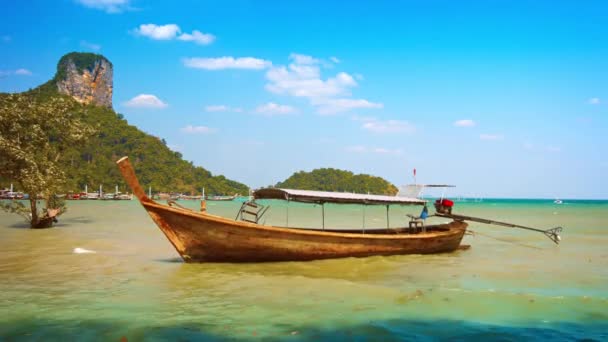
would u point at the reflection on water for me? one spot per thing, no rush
(510, 284)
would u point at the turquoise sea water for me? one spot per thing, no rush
(511, 285)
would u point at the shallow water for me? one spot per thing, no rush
(125, 279)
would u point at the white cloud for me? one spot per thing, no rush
(217, 108)
(223, 108)
(376, 150)
(272, 109)
(594, 101)
(541, 148)
(303, 59)
(23, 72)
(158, 32)
(357, 149)
(381, 150)
(197, 129)
(464, 123)
(388, 126)
(91, 46)
(304, 81)
(146, 101)
(302, 78)
(226, 63)
(110, 6)
(172, 31)
(362, 118)
(334, 59)
(19, 72)
(334, 106)
(491, 137)
(197, 37)
(175, 147)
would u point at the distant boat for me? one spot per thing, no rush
(558, 201)
(12, 195)
(92, 196)
(221, 198)
(190, 197)
(72, 196)
(121, 196)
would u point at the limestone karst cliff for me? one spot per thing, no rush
(86, 77)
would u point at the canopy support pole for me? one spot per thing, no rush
(364, 217)
(388, 223)
(287, 224)
(323, 213)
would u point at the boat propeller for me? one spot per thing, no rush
(553, 234)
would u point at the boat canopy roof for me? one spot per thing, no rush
(308, 196)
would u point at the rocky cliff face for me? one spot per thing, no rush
(86, 77)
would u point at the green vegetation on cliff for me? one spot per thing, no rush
(328, 179)
(82, 61)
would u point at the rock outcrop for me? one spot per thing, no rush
(86, 77)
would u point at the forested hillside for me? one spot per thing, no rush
(328, 179)
(156, 165)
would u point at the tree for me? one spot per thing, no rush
(34, 134)
(328, 179)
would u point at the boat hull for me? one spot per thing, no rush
(200, 237)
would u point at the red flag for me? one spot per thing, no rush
(414, 172)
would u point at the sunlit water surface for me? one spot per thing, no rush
(511, 284)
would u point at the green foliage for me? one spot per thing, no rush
(328, 179)
(16, 207)
(82, 61)
(56, 202)
(35, 133)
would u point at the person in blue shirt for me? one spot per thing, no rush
(425, 213)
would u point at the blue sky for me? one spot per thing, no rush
(501, 98)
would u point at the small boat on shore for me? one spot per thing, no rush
(199, 236)
(221, 198)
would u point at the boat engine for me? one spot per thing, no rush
(444, 206)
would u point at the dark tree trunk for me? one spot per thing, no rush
(34, 220)
(39, 222)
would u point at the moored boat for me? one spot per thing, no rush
(200, 236)
(220, 198)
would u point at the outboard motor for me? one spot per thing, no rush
(444, 206)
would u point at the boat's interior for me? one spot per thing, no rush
(252, 212)
(398, 230)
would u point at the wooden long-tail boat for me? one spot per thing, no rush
(200, 236)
